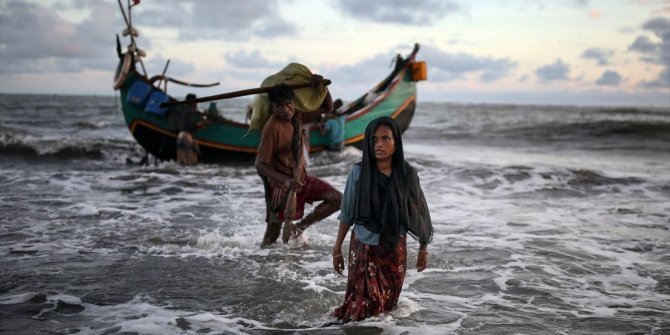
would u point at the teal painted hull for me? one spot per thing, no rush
(226, 141)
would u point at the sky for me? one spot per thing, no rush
(575, 52)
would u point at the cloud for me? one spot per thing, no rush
(213, 19)
(663, 80)
(598, 54)
(254, 60)
(36, 39)
(442, 67)
(373, 68)
(644, 45)
(609, 78)
(555, 71)
(418, 12)
(582, 3)
(445, 66)
(348, 81)
(176, 67)
(662, 6)
(660, 26)
(655, 52)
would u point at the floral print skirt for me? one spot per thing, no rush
(376, 275)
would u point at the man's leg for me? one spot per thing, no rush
(330, 203)
(272, 230)
(316, 190)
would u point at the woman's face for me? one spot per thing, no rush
(384, 143)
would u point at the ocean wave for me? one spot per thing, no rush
(92, 124)
(595, 129)
(20, 143)
(633, 111)
(541, 125)
(56, 149)
(523, 181)
(597, 136)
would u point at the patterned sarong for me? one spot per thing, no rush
(376, 275)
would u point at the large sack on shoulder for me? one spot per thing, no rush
(306, 99)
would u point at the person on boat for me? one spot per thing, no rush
(212, 113)
(190, 120)
(281, 165)
(188, 115)
(333, 127)
(383, 200)
(337, 106)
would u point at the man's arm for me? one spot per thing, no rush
(281, 180)
(326, 106)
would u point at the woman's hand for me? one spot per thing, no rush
(422, 259)
(338, 262)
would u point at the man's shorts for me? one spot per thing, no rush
(314, 189)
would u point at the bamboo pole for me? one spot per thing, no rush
(240, 93)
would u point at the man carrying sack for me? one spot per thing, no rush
(281, 165)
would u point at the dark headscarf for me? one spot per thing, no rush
(384, 204)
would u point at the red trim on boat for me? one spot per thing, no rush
(200, 142)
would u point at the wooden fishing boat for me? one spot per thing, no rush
(155, 128)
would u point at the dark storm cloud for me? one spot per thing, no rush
(36, 39)
(600, 55)
(655, 52)
(418, 12)
(555, 71)
(609, 78)
(443, 66)
(213, 19)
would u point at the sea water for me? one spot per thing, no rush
(548, 220)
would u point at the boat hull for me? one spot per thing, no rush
(228, 141)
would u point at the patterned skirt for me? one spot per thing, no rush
(376, 275)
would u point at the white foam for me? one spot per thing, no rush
(514, 218)
(144, 318)
(16, 298)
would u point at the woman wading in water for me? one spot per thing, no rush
(383, 201)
